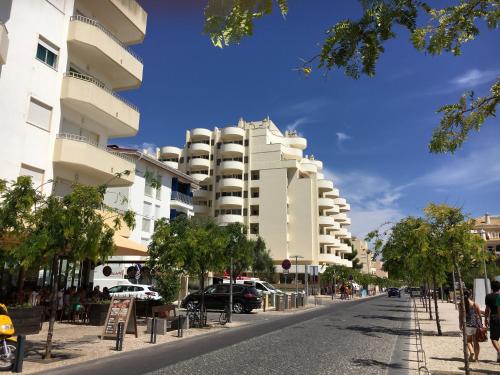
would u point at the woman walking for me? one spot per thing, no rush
(473, 321)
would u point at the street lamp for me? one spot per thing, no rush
(233, 244)
(482, 232)
(297, 272)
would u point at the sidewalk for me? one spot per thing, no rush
(444, 353)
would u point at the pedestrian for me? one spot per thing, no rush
(342, 291)
(473, 321)
(491, 316)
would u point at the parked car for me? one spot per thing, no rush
(136, 290)
(393, 292)
(245, 298)
(263, 286)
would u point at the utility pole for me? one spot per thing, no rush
(297, 272)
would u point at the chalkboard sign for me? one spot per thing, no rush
(121, 309)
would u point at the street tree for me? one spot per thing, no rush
(239, 251)
(262, 261)
(355, 45)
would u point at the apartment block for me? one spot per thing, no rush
(254, 174)
(364, 255)
(67, 61)
(488, 227)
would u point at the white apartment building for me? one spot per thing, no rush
(254, 174)
(59, 106)
(172, 198)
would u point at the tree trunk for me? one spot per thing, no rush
(53, 308)
(462, 308)
(436, 310)
(428, 290)
(423, 298)
(21, 276)
(202, 307)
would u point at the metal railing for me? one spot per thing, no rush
(101, 85)
(93, 22)
(79, 138)
(421, 358)
(181, 197)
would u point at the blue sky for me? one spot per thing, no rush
(371, 133)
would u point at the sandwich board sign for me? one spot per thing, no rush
(121, 310)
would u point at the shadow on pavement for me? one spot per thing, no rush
(371, 331)
(386, 317)
(373, 362)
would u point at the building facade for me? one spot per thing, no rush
(255, 175)
(488, 226)
(364, 255)
(67, 59)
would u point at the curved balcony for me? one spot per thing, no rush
(326, 221)
(172, 164)
(345, 248)
(4, 43)
(318, 164)
(325, 185)
(346, 222)
(200, 133)
(201, 193)
(125, 18)
(343, 233)
(230, 150)
(328, 239)
(334, 193)
(325, 203)
(333, 228)
(89, 41)
(340, 218)
(232, 133)
(329, 259)
(200, 209)
(230, 202)
(340, 202)
(228, 219)
(345, 208)
(199, 149)
(230, 184)
(290, 153)
(231, 166)
(88, 96)
(170, 152)
(200, 176)
(199, 163)
(82, 156)
(297, 142)
(308, 167)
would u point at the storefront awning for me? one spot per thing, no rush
(124, 246)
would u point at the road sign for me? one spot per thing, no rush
(285, 272)
(286, 264)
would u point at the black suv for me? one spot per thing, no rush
(393, 292)
(245, 298)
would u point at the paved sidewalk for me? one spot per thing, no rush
(444, 353)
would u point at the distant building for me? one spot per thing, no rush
(488, 226)
(364, 256)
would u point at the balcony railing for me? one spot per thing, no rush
(101, 85)
(181, 197)
(79, 138)
(93, 22)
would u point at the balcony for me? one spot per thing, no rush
(318, 164)
(200, 176)
(199, 163)
(4, 43)
(200, 134)
(232, 166)
(329, 259)
(307, 167)
(228, 219)
(340, 202)
(232, 133)
(178, 199)
(201, 193)
(334, 193)
(170, 152)
(230, 184)
(290, 153)
(325, 203)
(332, 211)
(328, 239)
(199, 149)
(345, 208)
(345, 248)
(82, 156)
(90, 98)
(125, 18)
(326, 221)
(200, 209)
(171, 164)
(89, 41)
(341, 218)
(231, 150)
(325, 185)
(296, 142)
(230, 202)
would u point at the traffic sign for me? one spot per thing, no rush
(285, 272)
(286, 264)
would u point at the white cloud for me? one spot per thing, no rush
(342, 136)
(473, 78)
(150, 148)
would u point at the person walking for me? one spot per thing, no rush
(491, 316)
(473, 321)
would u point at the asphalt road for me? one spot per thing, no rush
(359, 337)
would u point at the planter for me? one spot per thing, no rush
(27, 321)
(98, 313)
(144, 307)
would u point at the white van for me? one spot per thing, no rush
(262, 286)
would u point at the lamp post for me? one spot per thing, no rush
(297, 272)
(233, 244)
(482, 232)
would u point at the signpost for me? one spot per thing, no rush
(120, 310)
(286, 265)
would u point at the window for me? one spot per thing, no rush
(47, 53)
(246, 142)
(498, 249)
(254, 210)
(158, 190)
(255, 192)
(254, 228)
(157, 212)
(255, 175)
(35, 174)
(146, 225)
(246, 159)
(39, 114)
(245, 194)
